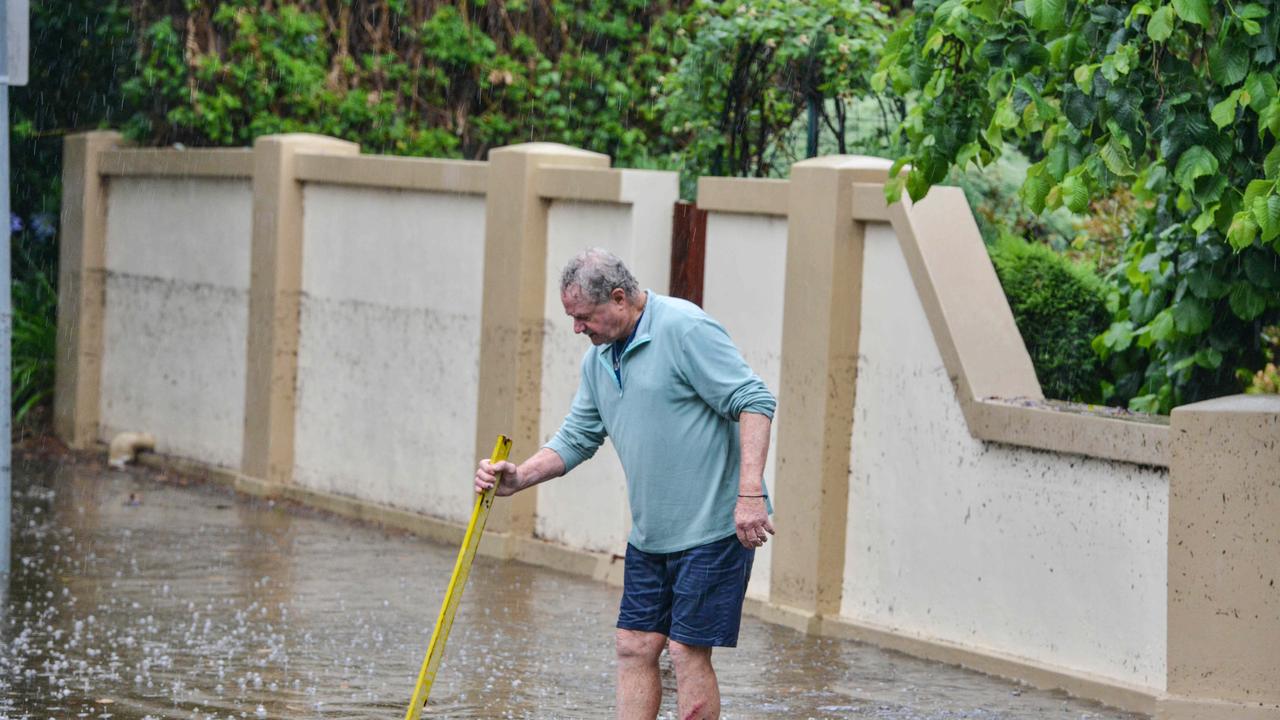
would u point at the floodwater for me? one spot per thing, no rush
(137, 595)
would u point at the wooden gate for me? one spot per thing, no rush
(688, 251)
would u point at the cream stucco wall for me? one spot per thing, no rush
(176, 313)
(1056, 559)
(746, 262)
(1052, 551)
(389, 346)
(588, 508)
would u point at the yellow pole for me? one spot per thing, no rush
(453, 595)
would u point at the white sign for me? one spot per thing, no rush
(14, 41)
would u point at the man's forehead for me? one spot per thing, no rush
(572, 298)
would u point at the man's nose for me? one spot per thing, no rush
(579, 327)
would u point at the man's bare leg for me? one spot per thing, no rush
(639, 686)
(697, 692)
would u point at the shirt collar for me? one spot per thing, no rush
(641, 334)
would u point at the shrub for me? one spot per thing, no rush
(992, 192)
(80, 51)
(435, 79)
(35, 335)
(1177, 102)
(749, 69)
(1266, 380)
(1059, 307)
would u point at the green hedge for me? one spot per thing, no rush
(1060, 307)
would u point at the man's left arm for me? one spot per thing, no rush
(717, 371)
(750, 515)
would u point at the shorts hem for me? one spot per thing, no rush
(640, 628)
(703, 642)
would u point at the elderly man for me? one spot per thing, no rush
(690, 422)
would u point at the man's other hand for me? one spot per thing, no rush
(751, 520)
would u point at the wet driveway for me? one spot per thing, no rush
(137, 595)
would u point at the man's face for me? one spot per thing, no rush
(603, 323)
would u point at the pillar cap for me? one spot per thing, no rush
(1240, 404)
(548, 148)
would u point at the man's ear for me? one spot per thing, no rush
(618, 296)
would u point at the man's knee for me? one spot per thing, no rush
(639, 646)
(683, 655)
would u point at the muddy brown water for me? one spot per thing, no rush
(134, 596)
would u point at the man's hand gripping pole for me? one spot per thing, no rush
(453, 595)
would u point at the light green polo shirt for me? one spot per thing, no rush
(674, 423)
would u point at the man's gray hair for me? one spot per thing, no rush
(597, 272)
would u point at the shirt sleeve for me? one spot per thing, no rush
(712, 364)
(582, 431)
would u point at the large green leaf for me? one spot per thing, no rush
(1224, 113)
(1269, 118)
(1256, 189)
(1160, 26)
(1116, 158)
(1252, 11)
(1059, 161)
(1246, 302)
(1117, 337)
(1079, 108)
(1266, 212)
(1046, 15)
(1229, 61)
(1261, 88)
(1192, 316)
(1162, 326)
(1195, 162)
(1083, 75)
(1075, 193)
(1271, 165)
(1192, 11)
(1208, 358)
(1036, 187)
(1242, 231)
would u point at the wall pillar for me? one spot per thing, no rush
(515, 259)
(275, 284)
(81, 288)
(819, 364)
(1224, 560)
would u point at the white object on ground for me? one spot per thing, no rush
(125, 447)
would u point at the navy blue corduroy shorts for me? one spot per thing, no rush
(692, 596)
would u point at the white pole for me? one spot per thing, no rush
(15, 17)
(6, 334)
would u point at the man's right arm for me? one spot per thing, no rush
(541, 467)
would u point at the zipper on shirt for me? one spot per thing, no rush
(617, 376)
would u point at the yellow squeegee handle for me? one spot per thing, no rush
(453, 595)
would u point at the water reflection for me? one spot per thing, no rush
(134, 596)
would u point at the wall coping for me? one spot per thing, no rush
(167, 162)
(469, 177)
(748, 196)
(592, 184)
